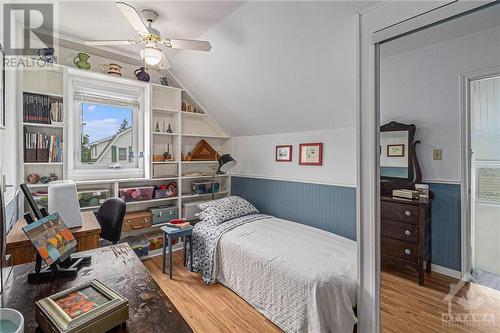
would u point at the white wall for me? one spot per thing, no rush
(421, 86)
(256, 156)
(8, 137)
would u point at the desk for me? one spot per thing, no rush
(117, 267)
(22, 250)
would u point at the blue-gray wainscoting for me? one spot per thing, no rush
(328, 207)
(446, 225)
(333, 208)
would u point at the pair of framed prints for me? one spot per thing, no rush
(309, 153)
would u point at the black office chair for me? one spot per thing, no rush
(110, 217)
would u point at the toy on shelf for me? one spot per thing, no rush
(166, 191)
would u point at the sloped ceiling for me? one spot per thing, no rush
(277, 67)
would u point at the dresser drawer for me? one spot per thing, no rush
(399, 212)
(398, 230)
(399, 249)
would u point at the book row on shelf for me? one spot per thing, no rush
(42, 109)
(40, 147)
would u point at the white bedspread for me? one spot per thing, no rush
(303, 279)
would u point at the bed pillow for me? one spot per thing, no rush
(225, 209)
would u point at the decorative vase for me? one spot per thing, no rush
(81, 61)
(164, 81)
(141, 74)
(112, 69)
(47, 55)
(169, 129)
(33, 178)
(53, 177)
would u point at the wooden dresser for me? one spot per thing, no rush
(406, 233)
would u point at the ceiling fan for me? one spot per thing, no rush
(151, 38)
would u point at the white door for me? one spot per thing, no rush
(485, 174)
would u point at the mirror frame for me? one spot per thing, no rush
(414, 172)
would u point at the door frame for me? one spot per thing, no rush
(386, 20)
(465, 164)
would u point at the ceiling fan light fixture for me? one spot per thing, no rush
(151, 55)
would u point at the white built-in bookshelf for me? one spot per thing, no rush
(188, 129)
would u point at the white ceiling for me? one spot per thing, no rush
(88, 20)
(275, 67)
(479, 20)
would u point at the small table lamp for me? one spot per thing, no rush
(226, 163)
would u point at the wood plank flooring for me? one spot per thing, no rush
(209, 309)
(406, 306)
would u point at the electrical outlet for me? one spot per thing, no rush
(437, 154)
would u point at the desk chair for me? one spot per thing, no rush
(110, 217)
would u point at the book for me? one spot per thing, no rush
(183, 225)
(407, 194)
(42, 109)
(42, 148)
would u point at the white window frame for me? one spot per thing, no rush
(80, 171)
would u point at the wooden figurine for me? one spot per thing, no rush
(204, 152)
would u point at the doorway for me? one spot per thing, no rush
(484, 162)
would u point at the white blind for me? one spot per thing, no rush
(485, 101)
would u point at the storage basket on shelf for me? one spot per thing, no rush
(139, 244)
(92, 198)
(205, 187)
(137, 193)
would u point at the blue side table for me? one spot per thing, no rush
(169, 234)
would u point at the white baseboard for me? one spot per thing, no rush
(446, 271)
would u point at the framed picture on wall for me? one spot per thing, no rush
(395, 150)
(311, 154)
(2, 87)
(284, 153)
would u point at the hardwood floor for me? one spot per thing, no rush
(406, 306)
(208, 309)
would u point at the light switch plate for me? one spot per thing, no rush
(437, 154)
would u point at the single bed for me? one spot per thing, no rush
(301, 278)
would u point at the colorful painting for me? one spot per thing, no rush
(51, 237)
(311, 154)
(82, 301)
(284, 153)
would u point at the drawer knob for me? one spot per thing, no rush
(408, 251)
(407, 232)
(407, 213)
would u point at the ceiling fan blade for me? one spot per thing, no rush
(164, 63)
(188, 44)
(133, 18)
(111, 42)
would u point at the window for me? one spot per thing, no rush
(122, 154)
(108, 130)
(105, 128)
